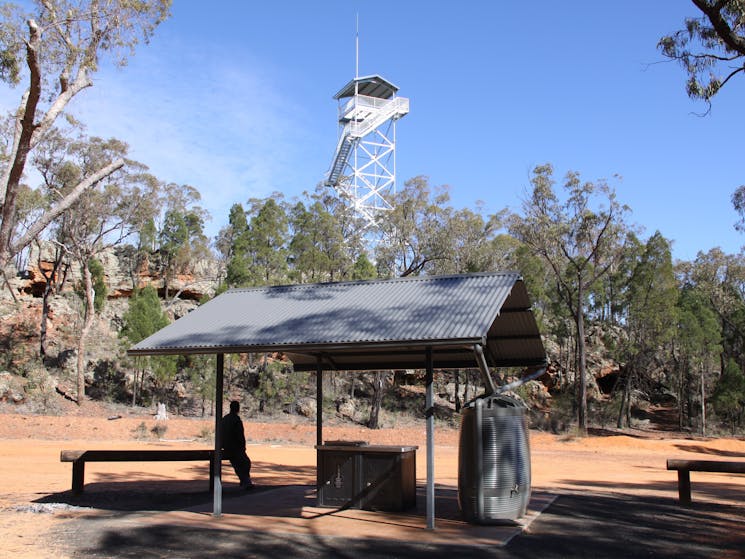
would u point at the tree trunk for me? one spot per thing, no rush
(625, 401)
(87, 323)
(49, 288)
(703, 404)
(377, 400)
(457, 389)
(134, 387)
(581, 350)
(44, 319)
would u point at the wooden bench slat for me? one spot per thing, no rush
(151, 455)
(80, 457)
(707, 466)
(685, 467)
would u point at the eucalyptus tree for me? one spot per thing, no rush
(710, 47)
(268, 238)
(721, 278)
(414, 229)
(54, 51)
(363, 269)
(180, 234)
(650, 317)
(143, 318)
(317, 249)
(236, 247)
(729, 395)
(581, 238)
(100, 218)
(696, 349)
(471, 242)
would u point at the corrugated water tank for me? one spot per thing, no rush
(494, 460)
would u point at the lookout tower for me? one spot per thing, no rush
(363, 170)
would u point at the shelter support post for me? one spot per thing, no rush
(319, 402)
(217, 464)
(319, 425)
(430, 415)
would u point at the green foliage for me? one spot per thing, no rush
(144, 316)
(710, 47)
(268, 231)
(238, 273)
(272, 383)
(414, 229)
(738, 201)
(279, 387)
(317, 249)
(200, 370)
(729, 394)
(363, 269)
(100, 291)
(580, 235)
(11, 43)
(99, 284)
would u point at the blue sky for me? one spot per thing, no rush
(236, 99)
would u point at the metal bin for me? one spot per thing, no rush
(366, 476)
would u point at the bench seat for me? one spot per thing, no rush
(80, 457)
(685, 467)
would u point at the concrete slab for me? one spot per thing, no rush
(291, 510)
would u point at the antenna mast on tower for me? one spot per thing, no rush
(363, 170)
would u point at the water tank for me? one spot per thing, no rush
(494, 460)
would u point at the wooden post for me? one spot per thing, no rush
(430, 416)
(78, 475)
(684, 487)
(217, 461)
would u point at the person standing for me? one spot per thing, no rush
(234, 444)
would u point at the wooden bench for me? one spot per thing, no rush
(685, 467)
(80, 457)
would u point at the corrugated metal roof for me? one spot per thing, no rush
(365, 324)
(372, 86)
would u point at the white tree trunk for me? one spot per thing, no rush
(87, 323)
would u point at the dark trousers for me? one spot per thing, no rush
(242, 465)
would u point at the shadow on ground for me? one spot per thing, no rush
(575, 525)
(598, 525)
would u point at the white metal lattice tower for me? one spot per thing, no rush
(363, 170)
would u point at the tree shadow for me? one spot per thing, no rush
(702, 490)
(139, 490)
(699, 449)
(581, 525)
(621, 526)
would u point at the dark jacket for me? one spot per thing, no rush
(233, 437)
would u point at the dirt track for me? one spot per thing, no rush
(33, 479)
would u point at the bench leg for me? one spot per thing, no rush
(78, 474)
(684, 487)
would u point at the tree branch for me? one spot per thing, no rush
(714, 13)
(18, 128)
(735, 71)
(63, 205)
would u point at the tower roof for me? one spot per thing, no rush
(372, 86)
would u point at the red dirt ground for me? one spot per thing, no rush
(283, 453)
